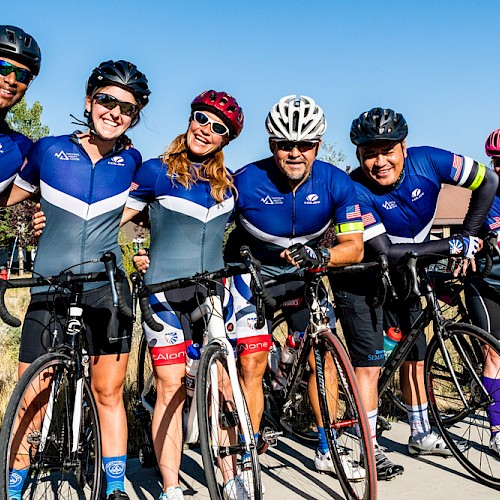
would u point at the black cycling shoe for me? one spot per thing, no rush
(386, 470)
(118, 495)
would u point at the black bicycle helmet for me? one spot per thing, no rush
(378, 124)
(17, 45)
(122, 74)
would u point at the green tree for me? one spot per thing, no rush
(15, 222)
(331, 154)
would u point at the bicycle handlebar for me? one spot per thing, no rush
(65, 280)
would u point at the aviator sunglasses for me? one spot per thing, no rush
(22, 75)
(216, 127)
(110, 102)
(302, 146)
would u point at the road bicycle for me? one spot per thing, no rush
(51, 424)
(218, 415)
(454, 361)
(287, 406)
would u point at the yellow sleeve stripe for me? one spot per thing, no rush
(349, 227)
(481, 171)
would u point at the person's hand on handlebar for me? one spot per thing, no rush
(306, 257)
(463, 250)
(141, 260)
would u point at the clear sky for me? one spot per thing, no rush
(437, 62)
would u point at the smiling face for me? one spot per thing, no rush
(294, 164)
(11, 91)
(201, 141)
(382, 161)
(110, 124)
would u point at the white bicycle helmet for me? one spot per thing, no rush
(296, 118)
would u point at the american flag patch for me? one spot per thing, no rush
(368, 219)
(353, 212)
(496, 223)
(458, 163)
(133, 186)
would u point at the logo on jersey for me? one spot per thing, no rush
(115, 468)
(133, 186)
(274, 200)
(62, 155)
(118, 161)
(171, 338)
(368, 219)
(389, 205)
(496, 223)
(252, 322)
(312, 199)
(456, 167)
(416, 194)
(292, 302)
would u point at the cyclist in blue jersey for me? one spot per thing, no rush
(285, 204)
(398, 189)
(84, 180)
(20, 59)
(191, 196)
(482, 297)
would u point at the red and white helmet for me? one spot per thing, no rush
(492, 145)
(224, 106)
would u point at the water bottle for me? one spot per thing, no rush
(279, 380)
(391, 339)
(288, 353)
(193, 353)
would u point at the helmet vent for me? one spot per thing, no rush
(11, 36)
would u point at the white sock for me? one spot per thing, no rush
(372, 421)
(418, 418)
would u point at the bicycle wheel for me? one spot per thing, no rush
(37, 434)
(227, 460)
(344, 418)
(146, 400)
(464, 419)
(298, 418)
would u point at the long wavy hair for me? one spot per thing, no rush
(213, 169)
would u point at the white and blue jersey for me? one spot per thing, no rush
(270, 216)
(405, 212)
(13, 150)
(187, 224)
(83, 202)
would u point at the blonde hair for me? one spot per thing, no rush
(213, 169)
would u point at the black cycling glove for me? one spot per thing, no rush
(309, 258)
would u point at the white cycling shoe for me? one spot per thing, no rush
(172, 493)
(324, 463)
(235, 489)
(495, 444)
(433, 444)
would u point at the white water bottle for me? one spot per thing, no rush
(274, 358)
(193, 353)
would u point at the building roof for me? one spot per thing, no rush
(453, 203)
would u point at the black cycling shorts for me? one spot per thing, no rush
(106, 330)
(483, 304)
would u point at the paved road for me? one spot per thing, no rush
(288, 473)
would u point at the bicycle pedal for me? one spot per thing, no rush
(268, 438)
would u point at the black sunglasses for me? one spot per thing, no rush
(302, 146)
(216, 127)
(110, 102)
(22, 75)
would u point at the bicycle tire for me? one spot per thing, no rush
(346, 428)
(455, 421)
(222, 457)
(147, 456)
(299, 419)
(53, 472)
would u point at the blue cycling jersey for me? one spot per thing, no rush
(13, 150)
(83, 202)
(492, 223)
(187, 225)
(406, 212)
(270, 216)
